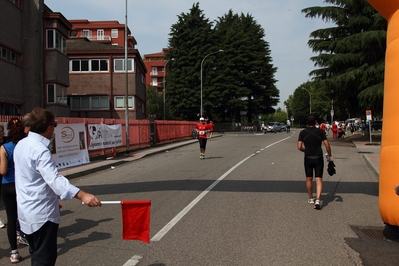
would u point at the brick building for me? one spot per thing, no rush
(33, 60)
(98, 79)
(155, 64)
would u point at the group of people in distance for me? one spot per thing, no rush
(338, 129)
(32, 186)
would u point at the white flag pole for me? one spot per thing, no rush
(109, 202)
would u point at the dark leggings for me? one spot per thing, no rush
(10, 203)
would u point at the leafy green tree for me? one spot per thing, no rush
(350, 55)
(241, 78)
(154, 102)
(280, 115)
(246, 82)
(190, 39)
(304, 95)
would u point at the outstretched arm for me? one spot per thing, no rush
(88, 199)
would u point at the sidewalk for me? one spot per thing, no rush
(100, 165)
(370, 150)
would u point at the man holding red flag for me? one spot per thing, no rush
(39, 186)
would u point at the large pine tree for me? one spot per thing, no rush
(241, 78)
(247, 81)
(190, 39)
(350, 55)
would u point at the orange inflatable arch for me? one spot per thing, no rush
(389, 157)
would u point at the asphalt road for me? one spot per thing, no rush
(245, 204)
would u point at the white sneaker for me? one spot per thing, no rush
(2, 225)
(317, 204)
(15, 257)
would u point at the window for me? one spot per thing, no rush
(15, 2)
(119, 65)
(56, 94)
(120, 101)
(114, 33)
(99, 65)
(154, 70)
(100, 34)
(84, 65)
(86, 33)
(9, 55)
(88, 65)
(89, 103)
(56, 41)
(99, 102)
(154, 81)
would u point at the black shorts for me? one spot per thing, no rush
(314, 164)
(202, 143)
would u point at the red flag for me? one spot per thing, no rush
(136, 220)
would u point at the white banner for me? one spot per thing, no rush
(68, 145)
(104, 136)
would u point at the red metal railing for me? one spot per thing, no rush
(139, 131)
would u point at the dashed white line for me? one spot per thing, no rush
(133, 260)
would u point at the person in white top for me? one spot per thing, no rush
(39, 186)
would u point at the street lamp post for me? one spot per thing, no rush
(201, 111)
(310, 100)
(164, 89)
(126, 87)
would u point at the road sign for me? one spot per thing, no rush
(368, 115)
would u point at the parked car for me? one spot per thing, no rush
(376, 125)
(283, 127)
(273, 127)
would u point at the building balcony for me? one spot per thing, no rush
(105, 38)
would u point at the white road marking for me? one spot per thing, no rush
(133, 261)
(136, 258)
(180, 215)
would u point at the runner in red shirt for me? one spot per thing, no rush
(323, 126)
(211, 127)
(334, 128)
(202, 133)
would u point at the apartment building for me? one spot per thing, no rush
(33, 60)
(156, 66)
(99, 79)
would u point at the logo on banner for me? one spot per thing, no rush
(67, 134)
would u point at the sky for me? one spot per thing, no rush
(286, 28)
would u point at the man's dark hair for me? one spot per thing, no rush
(312, 119)
(40, 119)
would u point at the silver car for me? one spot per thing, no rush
(273, 127)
